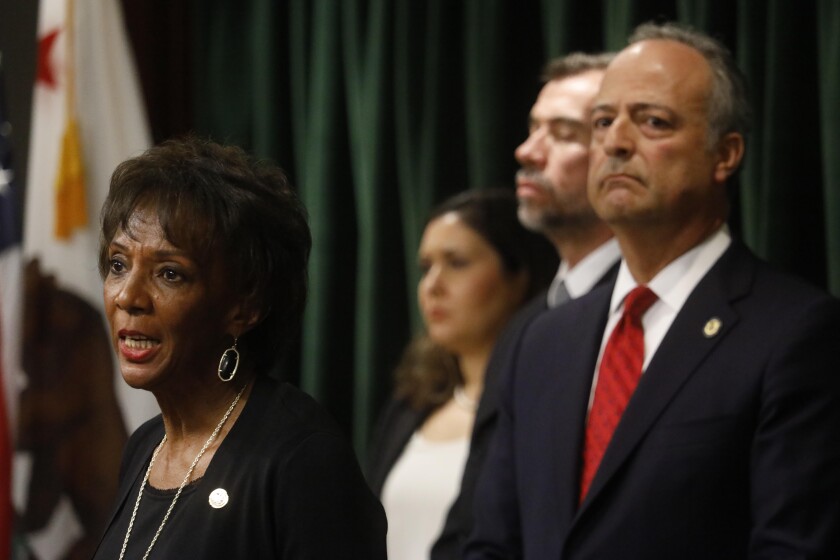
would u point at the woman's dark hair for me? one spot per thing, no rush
(222, 205)
(427, 374)
(492, 214)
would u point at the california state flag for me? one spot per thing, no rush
(74, 412)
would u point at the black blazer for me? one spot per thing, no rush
(393, 429)
(399, 421)
(729, 448)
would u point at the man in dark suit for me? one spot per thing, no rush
(551, 188)
(705, 426)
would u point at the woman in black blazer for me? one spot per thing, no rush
(478, 265)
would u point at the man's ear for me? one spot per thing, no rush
(730, 152)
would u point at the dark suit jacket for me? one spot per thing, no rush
(729, 448)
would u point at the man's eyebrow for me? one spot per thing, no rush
(568, 121)
(600, 107)
(633, 107)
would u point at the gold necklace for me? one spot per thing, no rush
(183, 483)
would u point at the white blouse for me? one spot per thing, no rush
(418, 493)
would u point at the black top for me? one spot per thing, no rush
(295, 491)
(154, 504)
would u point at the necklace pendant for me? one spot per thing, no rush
(218, 498)
(463, 401)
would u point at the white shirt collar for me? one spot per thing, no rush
(585, 274)
(674, 283)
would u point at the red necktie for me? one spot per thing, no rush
(618, 375)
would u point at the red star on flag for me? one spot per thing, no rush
(46, 72)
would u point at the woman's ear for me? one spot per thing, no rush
(730, 151)
(243, 317)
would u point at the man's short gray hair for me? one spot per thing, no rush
(728, 107)
(575, 63)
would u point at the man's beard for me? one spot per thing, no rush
(542, 219)
(549, 215)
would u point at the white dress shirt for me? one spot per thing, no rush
(672, 285)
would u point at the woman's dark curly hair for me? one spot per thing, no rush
(222, 205)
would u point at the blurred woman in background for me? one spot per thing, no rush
(478, 266)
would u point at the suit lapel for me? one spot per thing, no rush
(505, 348)
(705, 319)
(397, 425)
(569, 394)
(503, 353)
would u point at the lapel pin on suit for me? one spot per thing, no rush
(712, 327)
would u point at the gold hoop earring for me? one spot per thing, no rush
(229, 363)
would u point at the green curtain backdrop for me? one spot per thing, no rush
(381, 108)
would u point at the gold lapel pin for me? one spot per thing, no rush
(712, 327)
(218, 498)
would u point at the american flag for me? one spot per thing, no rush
(9, 210)
(10, 238)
